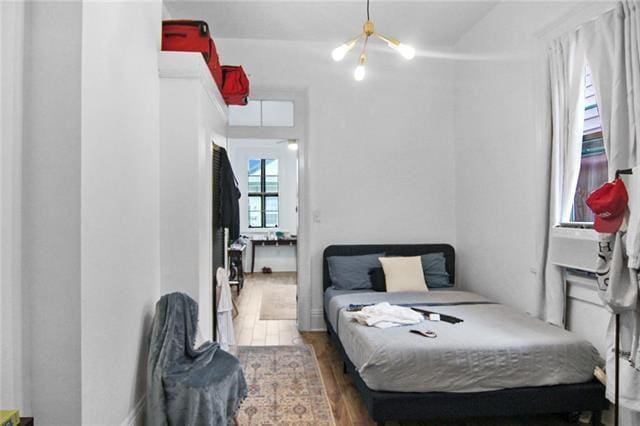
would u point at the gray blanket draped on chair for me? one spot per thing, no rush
(185, 385)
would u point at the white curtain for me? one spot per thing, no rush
(566, 113)
(611, 45)
(613, 48)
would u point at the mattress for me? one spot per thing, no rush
(331, 292)
(495, 347)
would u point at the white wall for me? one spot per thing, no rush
(278, 258)
(120, 202)
(192, 116)
(496, 173)
(51, 264)
(90, 207)
(380, 151)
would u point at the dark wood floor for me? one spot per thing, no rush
(346, 404)
(348, 408)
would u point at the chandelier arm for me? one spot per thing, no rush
(389, 40)
(364, 47)
(355, 39)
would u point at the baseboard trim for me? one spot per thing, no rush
(317, 320)
(136, 415)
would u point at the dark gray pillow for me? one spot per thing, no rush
(352, 272)
(376, 276)
(435, 270)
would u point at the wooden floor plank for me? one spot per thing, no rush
(339, 409)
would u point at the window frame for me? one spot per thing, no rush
(263, 194)
(261, 114)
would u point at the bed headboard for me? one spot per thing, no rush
(390, 250)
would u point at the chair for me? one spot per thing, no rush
(187, 385)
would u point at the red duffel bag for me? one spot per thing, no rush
(235, 85)
(214, 65)
(192, 36)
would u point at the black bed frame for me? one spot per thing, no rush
(409, 406)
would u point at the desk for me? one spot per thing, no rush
(278, 242)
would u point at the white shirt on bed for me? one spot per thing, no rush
(385, 315)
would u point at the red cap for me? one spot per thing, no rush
(609, 203)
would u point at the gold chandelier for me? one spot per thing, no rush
(368, 30)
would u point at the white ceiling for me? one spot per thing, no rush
(421, 23)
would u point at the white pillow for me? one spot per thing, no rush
(403, 274)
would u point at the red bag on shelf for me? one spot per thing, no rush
(186, 36)
(192, 36)
(214, 66)
(235, 86)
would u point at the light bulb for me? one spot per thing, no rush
(358, 74)
(338, 53)
(292, 145)
(407, 51)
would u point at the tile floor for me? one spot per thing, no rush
(250, 329)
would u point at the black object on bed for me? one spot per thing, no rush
(410, 406)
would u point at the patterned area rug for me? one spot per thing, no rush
(278, 302)
(285, 387)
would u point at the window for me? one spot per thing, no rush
(262, 113)
(593, 166)
(262, 185)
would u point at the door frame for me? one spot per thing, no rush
(300, 132)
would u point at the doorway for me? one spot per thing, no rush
(267, 173)
(263, 145)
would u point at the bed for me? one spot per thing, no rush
(497, 362)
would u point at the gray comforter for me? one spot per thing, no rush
(494, 348)
(185, 385)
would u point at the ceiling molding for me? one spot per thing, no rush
(475, 24)
(579, 14)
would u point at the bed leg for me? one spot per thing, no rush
(596, 418)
